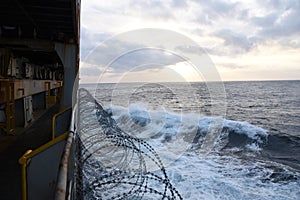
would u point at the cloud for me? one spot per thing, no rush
(90, 71)
(234, 39)
(210, 11)
(223, 28)
(119, 56)
(151, 8)
(179, 3)
(278, 4)
(242, 26)
(265, 21)
(218, 7)
(277, 19)
(191, 49)
(293, 43)
(89, 40)
(287, 24)
(142, 59)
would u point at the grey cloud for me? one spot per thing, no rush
(135, 60)
(282, 21)
(224, 51)
(130, 57)
(153, 9)
(179, 3)
(278, 4)
(265, 21)
(102, 54)
(191, 49)
(235, 39)
(290, 43)
(221, 7)
(213, 9)
(211, 12)
(218, 6)
(91, 71)
(289, 24)
(89, 40)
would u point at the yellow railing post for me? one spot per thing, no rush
(54, 119)
(23, 162)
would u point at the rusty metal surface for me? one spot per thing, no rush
(63, 170)
(65, 164)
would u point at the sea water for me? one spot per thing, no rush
(249, 150)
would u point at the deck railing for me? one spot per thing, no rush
(41, 167)
(65, 182)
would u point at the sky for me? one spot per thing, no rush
(192, 40)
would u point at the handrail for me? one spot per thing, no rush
(60, 193)
(25, 160)
(54, 118)
(29, 154)
(61, 187)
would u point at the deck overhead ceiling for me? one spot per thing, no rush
(43, 19)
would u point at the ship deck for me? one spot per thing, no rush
(13, 147)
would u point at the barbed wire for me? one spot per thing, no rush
(112, 164)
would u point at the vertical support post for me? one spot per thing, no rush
(47, 87)
(23, 162)
(10, 107)
(6, 55)
(67, 54)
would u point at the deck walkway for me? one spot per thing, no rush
(13, 147)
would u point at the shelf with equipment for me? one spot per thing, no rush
(27, 78)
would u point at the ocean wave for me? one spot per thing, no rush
(167, 127)
(117, 164)
(113, 164)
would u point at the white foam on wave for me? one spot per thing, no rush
(169, 133)
(172, 134)
(246, 128)
(253, 147)
(226, 177)
(166, 126)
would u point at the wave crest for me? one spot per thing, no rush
(167, 127)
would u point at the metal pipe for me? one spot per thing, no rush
(61, 186)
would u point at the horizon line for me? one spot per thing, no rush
(268, 80)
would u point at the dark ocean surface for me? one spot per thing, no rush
(231, 140)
